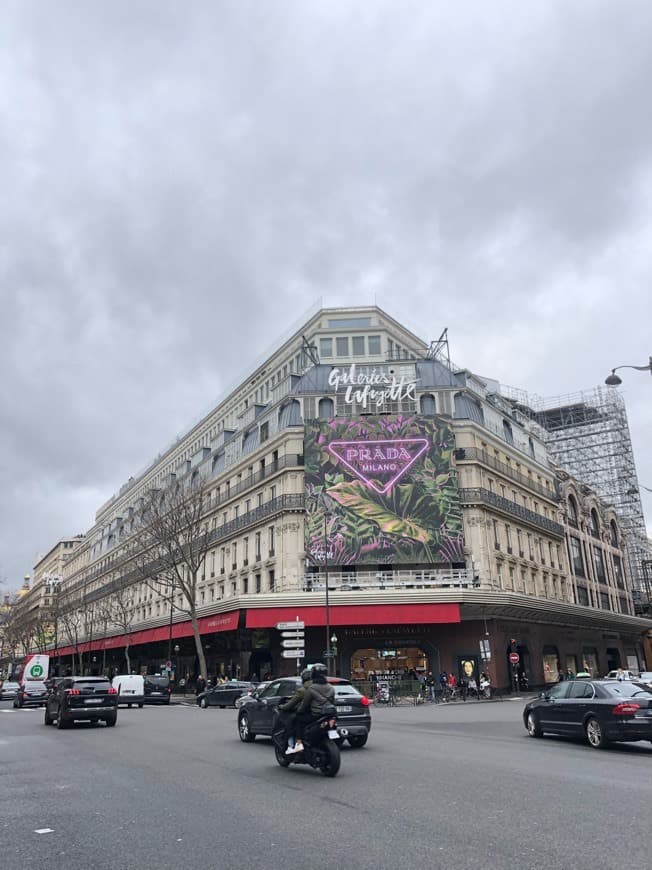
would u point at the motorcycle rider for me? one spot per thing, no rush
(316, 699)
(290, 721)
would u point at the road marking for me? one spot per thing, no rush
(44, 831)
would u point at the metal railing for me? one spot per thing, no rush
(347, 581)
(486, 497)
(482, 456)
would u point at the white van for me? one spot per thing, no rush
(130, 689)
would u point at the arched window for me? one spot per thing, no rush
(572, 511)
(428, 405)
(595, 523)
(290, 415)
(613, 530)
(326, 409)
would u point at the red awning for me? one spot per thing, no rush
(207, 625)
(356, 614)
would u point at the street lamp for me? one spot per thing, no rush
(176, 662)
(614, 381)
(334, 645)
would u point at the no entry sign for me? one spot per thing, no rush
(514, 658)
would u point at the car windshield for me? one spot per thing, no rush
(346, 691)
(35, 684)
(89, 685)
(628, 690)
(158, 681)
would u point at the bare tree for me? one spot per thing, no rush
(168, 553)
(72, 622)
(118, 609)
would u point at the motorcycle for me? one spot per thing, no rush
(319, 747)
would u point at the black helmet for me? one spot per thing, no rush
(306, 675)
(319, 669)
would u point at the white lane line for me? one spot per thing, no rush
(44, 831)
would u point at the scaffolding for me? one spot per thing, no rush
(587, 433)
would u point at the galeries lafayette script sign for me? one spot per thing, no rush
(371, 388)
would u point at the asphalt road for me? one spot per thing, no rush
(447, 786)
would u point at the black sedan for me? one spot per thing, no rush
(256, 712)
(33, 693)
(602, 711)
(224, 695)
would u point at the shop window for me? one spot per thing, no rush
(550, 664)
(590, 661)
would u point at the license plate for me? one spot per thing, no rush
(157, 693)
(345, 709)
(92, 700)
(333, 734)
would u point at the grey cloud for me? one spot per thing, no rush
(178, 182)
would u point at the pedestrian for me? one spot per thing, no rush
(431, 683)
(200, 685)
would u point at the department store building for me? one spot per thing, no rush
(358, 464)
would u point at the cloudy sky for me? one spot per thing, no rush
(179, 181)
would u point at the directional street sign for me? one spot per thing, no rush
(287, 625)
(293, 642)
(292, 633)
(293, 653)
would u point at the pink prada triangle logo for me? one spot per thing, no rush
(379, 464)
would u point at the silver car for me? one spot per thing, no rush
(9, 690)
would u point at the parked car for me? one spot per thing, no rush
(256, 711)
(602, 711)
(646, 677)
(224, 695)
(130, 688)
(626, 675)
(32, 693)
(157, 689)
(9, 690)
(77, 699)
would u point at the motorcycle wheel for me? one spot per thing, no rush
(281, 757)
(331, 763)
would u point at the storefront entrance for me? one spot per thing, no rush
(391, 663)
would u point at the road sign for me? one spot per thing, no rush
(298, 633)
(287, 625)
(293, 642)
(293, 653)
(514, 658)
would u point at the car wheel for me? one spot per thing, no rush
(203, 703)
(62, 723)
(243, 729)
(358, 741)
(533, 727)
(594, 734)
(111, 720)
(47, 718)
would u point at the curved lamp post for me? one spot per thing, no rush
(614, 381)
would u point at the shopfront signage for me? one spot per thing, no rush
(373, 388)
(379, 464)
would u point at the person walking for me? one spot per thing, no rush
(200, 685)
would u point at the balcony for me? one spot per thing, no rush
(473, 454)
(484, 497)
(348, 581)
